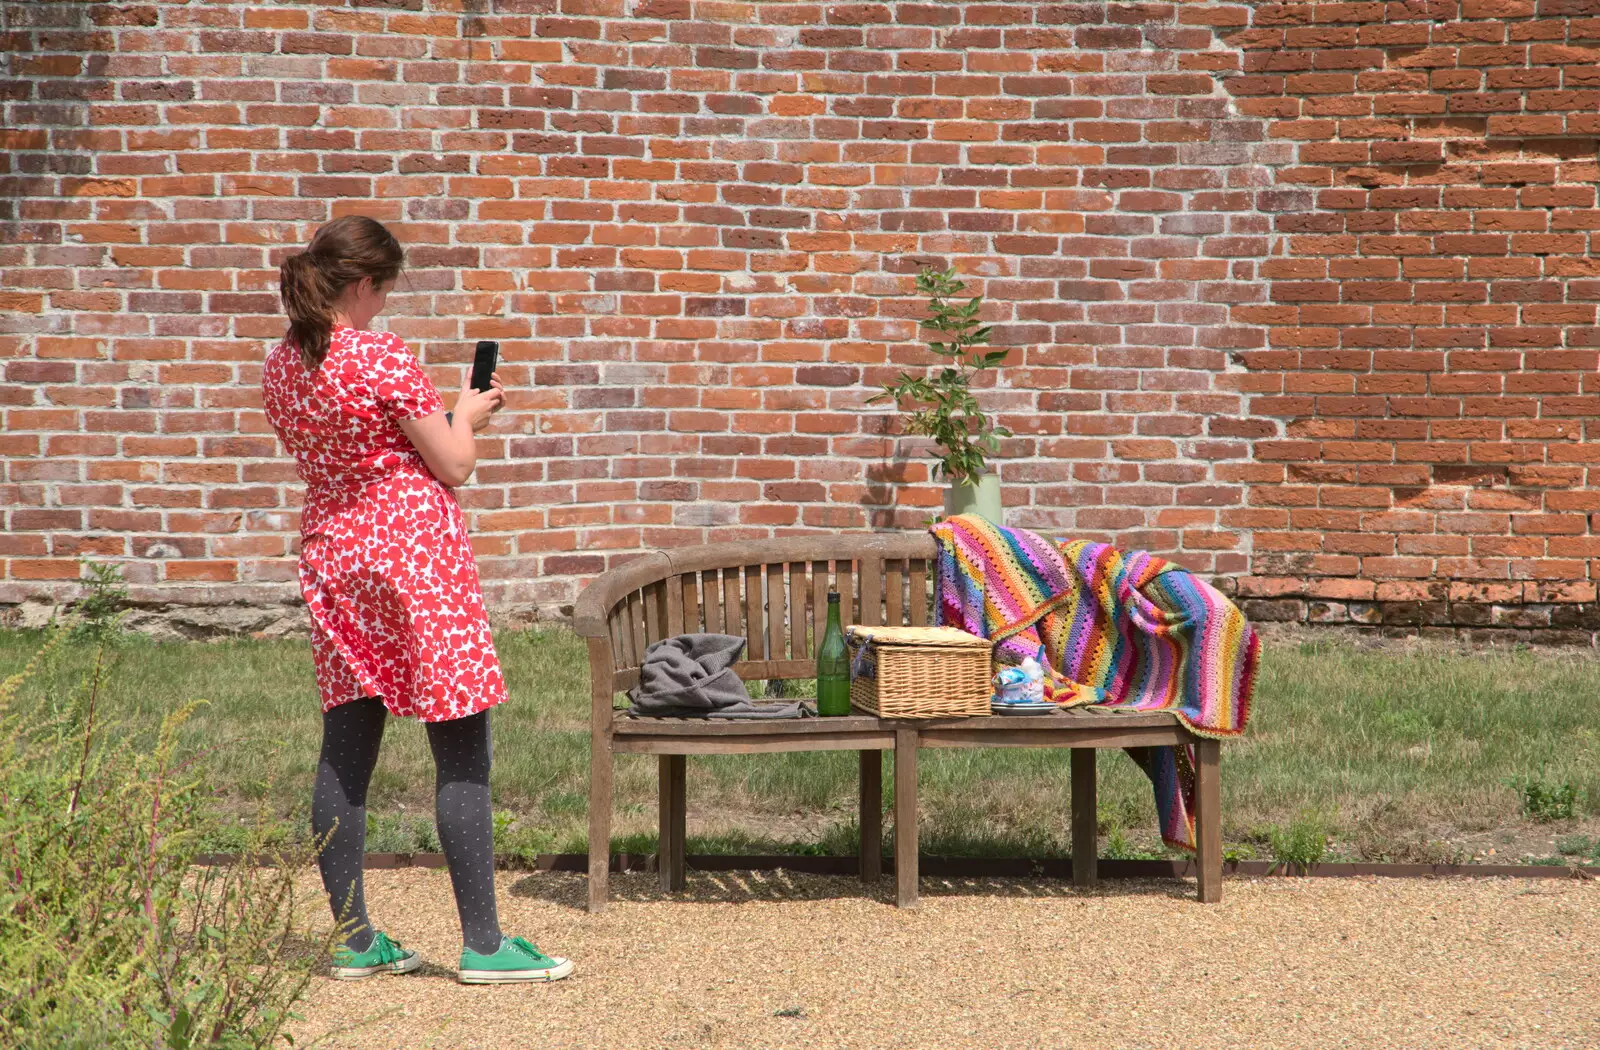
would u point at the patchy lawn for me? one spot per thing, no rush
(1397, 752)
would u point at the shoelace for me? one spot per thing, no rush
(528, 949)
(392, 948)
(382, 943)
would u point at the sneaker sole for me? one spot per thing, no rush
(556, 973)
(357, 973)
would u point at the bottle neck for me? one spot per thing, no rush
(833, 614)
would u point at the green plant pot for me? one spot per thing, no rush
(982, 499)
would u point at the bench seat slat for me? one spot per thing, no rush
(628, 725)
(723, 744)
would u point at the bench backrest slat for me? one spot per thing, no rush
(689, 597)
(799, 610)
(635, 620)
(819, 606)
(777, 611)
(870, 609)
(894, 591)
(755, 614)
(672, 601)
(655, 613)
(711, 601)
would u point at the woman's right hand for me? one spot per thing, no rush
(476, 406)
(444, 440)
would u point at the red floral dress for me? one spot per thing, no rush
(385, 563)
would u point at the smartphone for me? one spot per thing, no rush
(484, 362)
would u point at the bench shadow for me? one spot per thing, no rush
(996, 886)
(569, 890)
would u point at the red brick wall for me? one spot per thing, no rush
(1301, 295)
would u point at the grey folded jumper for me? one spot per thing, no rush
(691, 676)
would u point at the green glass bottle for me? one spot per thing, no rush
(833, 665)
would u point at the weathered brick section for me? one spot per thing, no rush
(1432, 337)
(1301, 295)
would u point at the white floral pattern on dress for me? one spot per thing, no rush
(386, 566)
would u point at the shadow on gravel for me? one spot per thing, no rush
(745, 887)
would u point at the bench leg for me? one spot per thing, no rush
(871, 816)
(599, 822)
(1085, 819)
(905, 818)
(1208, 819)
(673, 813)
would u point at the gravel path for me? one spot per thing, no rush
(995, 963)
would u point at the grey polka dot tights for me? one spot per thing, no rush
(461, 749)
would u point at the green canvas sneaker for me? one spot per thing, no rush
(517, 960)
(384, 956)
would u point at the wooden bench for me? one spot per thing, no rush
(774, 594)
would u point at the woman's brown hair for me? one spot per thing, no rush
(340, 254)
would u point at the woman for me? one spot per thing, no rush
(397, 619)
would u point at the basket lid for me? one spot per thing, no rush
(950, 637)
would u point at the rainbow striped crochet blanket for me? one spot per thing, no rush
(1119, 629)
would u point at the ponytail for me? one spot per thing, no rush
(308, 300)
(340, 254)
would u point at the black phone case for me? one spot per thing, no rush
(484, 362)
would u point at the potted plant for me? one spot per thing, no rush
(947, 411)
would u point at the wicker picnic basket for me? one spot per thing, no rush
(918, 672)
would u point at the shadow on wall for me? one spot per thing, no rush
(46, 101)
(46, 181)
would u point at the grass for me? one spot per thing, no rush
(1400, 753)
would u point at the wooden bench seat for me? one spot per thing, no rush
(679, 736)
(773, 593)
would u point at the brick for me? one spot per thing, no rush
(202, 571)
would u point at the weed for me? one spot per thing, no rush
(401, 833)
(1546, 801)
(1580, 846)
(1439, 851)
(109, 936)
(1234, 852)
(1576, 845)
(1303, 843)
(526, 842)
(1118, 847)
(100, 610)
(1122, 813)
